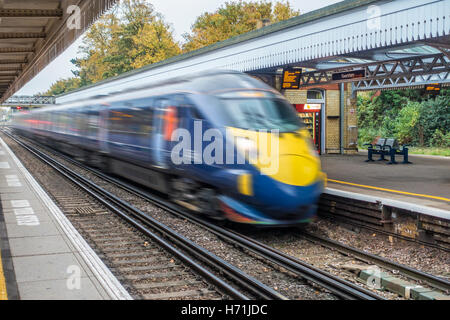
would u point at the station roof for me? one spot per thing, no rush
(336, 37)
(408, 46)
(34, 32)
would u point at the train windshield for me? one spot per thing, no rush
(257, 113)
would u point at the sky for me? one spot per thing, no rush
(176, 12)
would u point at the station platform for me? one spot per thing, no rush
(425, 182)
(43, 257)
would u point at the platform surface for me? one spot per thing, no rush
(425, 182)
(42, 258)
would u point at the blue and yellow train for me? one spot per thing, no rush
(222, 144)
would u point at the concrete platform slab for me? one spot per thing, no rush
(57, 290)
(26, 216)
(13, 190)
(45, 267)
(48, 258)
(425, 182)
(31, 246)
(47, 228)
(25, 201)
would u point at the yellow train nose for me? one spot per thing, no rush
(288, 158)
(297, 170)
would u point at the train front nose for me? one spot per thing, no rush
(283, 184)
(297, 170)
(296, 185)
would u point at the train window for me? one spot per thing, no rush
(131, 117)
(253, 113)
(314, 95)
(46, 121)
(80, 123)
(93, 121)
(186, 110)
(53, 117)
(195, 114)
(65, 121)
(60, 122)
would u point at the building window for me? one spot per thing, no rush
(315, 95)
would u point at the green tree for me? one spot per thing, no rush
(411, 116)
(63, 86)
(129, 37)
(435, 115)
(234, 18)
(153, 43)
(405, 124)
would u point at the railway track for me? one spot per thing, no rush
(415, 274)
(339, 287)
(139, 261)
(369, 216)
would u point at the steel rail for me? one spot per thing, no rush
(437, 282)
(142, 221)
(379, 230)
(340, 287)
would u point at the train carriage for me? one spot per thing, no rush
(209, 141)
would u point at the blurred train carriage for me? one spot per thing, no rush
(130, 134)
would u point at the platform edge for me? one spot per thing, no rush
(106, 279)
(429, 211)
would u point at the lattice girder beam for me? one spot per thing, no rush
(403, 82)
(397, 69)
(30, 100)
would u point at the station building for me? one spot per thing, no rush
(321, 106)
(320, 109)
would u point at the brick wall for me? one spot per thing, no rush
(296, 96)
(332, 99)
(332, 123)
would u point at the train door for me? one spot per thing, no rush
(103, 128)
(165, 116)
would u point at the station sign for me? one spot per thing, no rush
(291, 78)
(312, 107)
(349, 75)
(433, 88)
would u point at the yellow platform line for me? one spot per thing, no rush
(390, 190)
(3, 293)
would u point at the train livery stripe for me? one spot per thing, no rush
(3, 293)
(245, 185)
(390, 190)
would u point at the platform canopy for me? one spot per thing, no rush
(401, 43)
(34, 32)
(411, 66)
